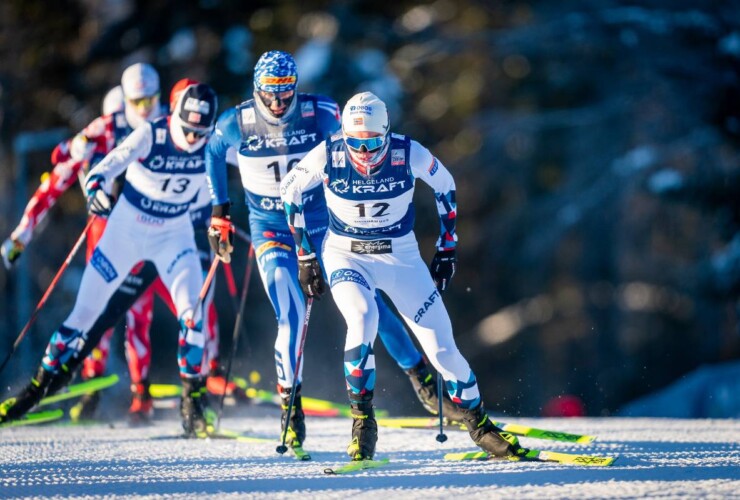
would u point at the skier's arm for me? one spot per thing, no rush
(136, 146)
(428, 168)
(307, 174)
(224, 137)
(57, 182)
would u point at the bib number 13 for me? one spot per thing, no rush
(276, 167)
(177, 186)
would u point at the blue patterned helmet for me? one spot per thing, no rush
(275, 72)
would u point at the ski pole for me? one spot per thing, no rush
(282, 448)
(441, 437)
(237, 328)
(243, 235)
(190, 323)
(49, 289)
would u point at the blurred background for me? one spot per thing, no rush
(595, 145)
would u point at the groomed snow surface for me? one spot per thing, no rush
(658, 458)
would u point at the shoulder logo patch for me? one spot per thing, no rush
(248, 115)
(338, 159)
(161, 136)
(307, 109)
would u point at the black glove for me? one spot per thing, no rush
(311, 278)
(221, 232)
(443, 268)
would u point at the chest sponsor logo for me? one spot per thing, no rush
(338, 159)
(159, 162)
(307, 109)
(342, 275)
(373, 247)
(398, 157)
(380, 187)
(429, 302)
(104, 266)
(255, 142)
(248, 115)
(340, 186)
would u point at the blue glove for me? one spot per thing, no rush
(98, 201)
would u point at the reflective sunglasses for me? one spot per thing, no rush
(146, 101)
(370, 144)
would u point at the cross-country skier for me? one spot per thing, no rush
(271, 133)
(368, 176)
(124, 108)
(164, 171)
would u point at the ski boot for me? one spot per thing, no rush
(85, 407)
(425, 385)
(15, 407)
(142, 407)
(364, 427)
(297, 428)
(197, 417)
(488, 437)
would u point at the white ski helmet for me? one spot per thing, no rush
(140, 82)
(113, 101)
(365, 112)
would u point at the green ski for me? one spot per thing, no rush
(80, 389)
(236, 436)
(38, 417)
(539, 456)
(519, 430)
(357, 466)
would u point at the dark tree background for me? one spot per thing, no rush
(573, 277)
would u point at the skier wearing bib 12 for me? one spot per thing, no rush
(368, 177)
(271, 133)
(164, 171)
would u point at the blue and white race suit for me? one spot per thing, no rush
(151, 221)
(266, 153)
(371, 245)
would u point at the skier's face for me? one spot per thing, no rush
(276, 102)
(364, 145)
(193, 135)
(144, 106)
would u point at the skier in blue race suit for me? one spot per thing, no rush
(271, 133)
